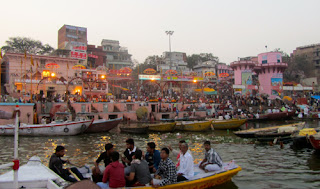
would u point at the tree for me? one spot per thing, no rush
(194, 59)
(298, 68)
(150, 62)
(28, 45)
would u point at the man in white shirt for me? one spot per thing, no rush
(185, 171)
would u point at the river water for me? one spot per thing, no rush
(263, 166)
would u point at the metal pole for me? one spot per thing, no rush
(170, 33)
(16, 142)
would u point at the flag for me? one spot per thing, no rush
(25, 54)
(67, 65)
(21, 62)
(31, 60)
(0, 54)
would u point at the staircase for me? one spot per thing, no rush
(93, 109)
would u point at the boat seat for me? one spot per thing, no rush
(199, 173)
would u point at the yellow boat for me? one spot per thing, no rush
(205, 182)
(194, 125)
(162, 127)
(227, 124)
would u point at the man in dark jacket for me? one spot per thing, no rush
(56, 165)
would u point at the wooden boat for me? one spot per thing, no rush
(56, 128)
(162, 127)
(228, 124)
(33, 175)
(184, 119)
(36, 175)
(315, 141)
(282, 134)
(103, 125)
(134, 129)
(250, 133)
(300, 139)
(280, 115)
(193, 125)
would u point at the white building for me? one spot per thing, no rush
(204, 67)
(178, 61)
(117, 56)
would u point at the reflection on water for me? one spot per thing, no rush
(263, 166)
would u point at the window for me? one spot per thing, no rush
(264, 59)
(42, 63)
(129, 107)
(278, 58)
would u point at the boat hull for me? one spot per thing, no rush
(53, 129)
(103, 125)
(162, 127)
(134, 130)
(280, 115)
(206, 182)
(194, 126)
(250, 133)
(228, 124)
(315, 142)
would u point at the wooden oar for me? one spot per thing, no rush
(74, 175)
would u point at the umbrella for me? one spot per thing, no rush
(149, 71)
(126, 70)
(52, 65)
(172, 72)
(78, 67)
(287, 98)
(209, 74)
(316, 97)
(223, 75)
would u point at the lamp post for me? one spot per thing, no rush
(169, 33)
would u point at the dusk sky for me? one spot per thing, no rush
(228, 29)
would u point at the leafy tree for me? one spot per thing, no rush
(150, 62)
(298, 68)
(194, 59)
(22, 44)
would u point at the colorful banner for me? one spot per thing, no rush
(246, 80)
(276, 86)
(149, 77)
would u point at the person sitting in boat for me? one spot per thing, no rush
(152, 157)
(166, 173)
(113, 175)
(56, 165)
(185, 171)
(128, 153)
(8, 115)
(98, 170)
(139, 171)
(177, 153)
(212, 161)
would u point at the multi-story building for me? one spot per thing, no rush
(175, 61)
(117, 57)
(96, 56)
(206, 67)
(223, 68)
(312, 54)
(75, 39)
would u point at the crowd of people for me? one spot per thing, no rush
(136, 168)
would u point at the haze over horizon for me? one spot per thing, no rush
(228, 29)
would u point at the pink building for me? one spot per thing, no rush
(269, 68)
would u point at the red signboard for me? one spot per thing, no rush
(82, 48)
(92, 56)
(78, 55)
